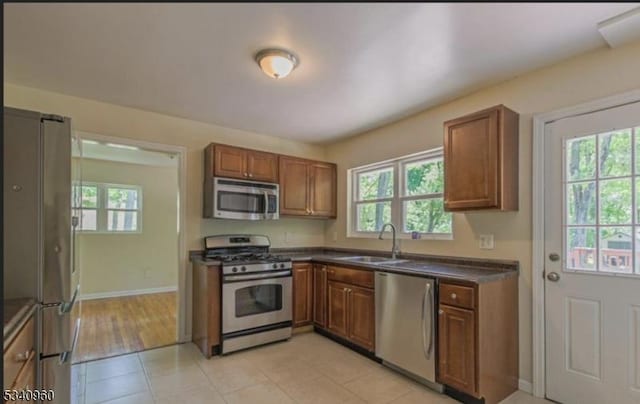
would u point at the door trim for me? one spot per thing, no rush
(183, 317)
(537, 260)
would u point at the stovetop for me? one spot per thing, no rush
(246, 259)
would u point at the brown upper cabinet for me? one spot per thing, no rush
(481, 161)
(236, 162)
(307, 188)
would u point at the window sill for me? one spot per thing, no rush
(403, 236)
(115, 233)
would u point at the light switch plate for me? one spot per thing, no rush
(335, 236)
(486, 241)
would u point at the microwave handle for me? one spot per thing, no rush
(266, 204)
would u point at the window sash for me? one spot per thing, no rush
(405, 163)
(102, 209)
(358, 174)
(397, 201)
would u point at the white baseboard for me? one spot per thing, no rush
(102, 295)
(525, 386)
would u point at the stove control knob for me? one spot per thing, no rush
(281, 265)
(234, 269)
(244, 269)
(275, 266)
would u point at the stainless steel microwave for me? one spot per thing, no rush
(244, 200)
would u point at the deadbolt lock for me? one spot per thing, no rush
(554, 257)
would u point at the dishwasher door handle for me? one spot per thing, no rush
(432, 316)
(424, 320)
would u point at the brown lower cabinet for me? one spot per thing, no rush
(19, 363)
(361, 317)
(320, 295)
(351, 306)
(302, 294)
(457, 348)
(206, 324)
(478, 338)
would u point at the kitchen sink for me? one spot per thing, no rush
(367, 259)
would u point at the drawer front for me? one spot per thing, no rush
(18, 353)
(457, 295)
(356, 277)
(27, 376)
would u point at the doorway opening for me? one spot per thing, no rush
(129, 246)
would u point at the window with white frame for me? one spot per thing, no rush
(407, 191)
(108, 208)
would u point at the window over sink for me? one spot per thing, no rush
(108, 208)
(407, 191)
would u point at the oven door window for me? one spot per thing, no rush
(258, 299)
(240, 202)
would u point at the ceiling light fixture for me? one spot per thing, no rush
(276, 63)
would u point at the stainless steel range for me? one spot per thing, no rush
(256, 291)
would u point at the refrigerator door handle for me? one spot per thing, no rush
(66, 356)
(66, 307)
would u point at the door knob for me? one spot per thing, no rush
(554, 257)
(553, 276)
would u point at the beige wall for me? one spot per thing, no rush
(594, 75)
(113, 120)
(118, 262)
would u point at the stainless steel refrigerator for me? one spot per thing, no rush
(40, 249)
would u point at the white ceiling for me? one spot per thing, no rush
(115, 152)
(362, 65)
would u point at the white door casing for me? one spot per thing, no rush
(592, 318)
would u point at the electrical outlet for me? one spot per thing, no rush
(287, 237)
(335, 236)
(486, 241)
(147, 273)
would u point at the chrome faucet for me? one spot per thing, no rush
(394, 248)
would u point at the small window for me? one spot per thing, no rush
(374, 195)
(422, 200)
(601, 202)
(107, 208)
(407, 191)
(85, 200)
(122, 209)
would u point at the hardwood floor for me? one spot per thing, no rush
(120, 325)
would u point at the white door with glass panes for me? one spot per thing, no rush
(592, 257)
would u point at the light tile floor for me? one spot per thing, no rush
(307, 369)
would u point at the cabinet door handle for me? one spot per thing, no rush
(454, 296)
(22, 356)
(250, 175)
(441, 312)
(245, 174)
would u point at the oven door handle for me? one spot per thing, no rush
(255, 277)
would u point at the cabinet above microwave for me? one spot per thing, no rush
(235, 162)
(305, 188)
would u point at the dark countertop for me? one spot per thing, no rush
(16, 313)
(463, 269)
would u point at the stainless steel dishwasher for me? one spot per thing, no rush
(405, 325)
